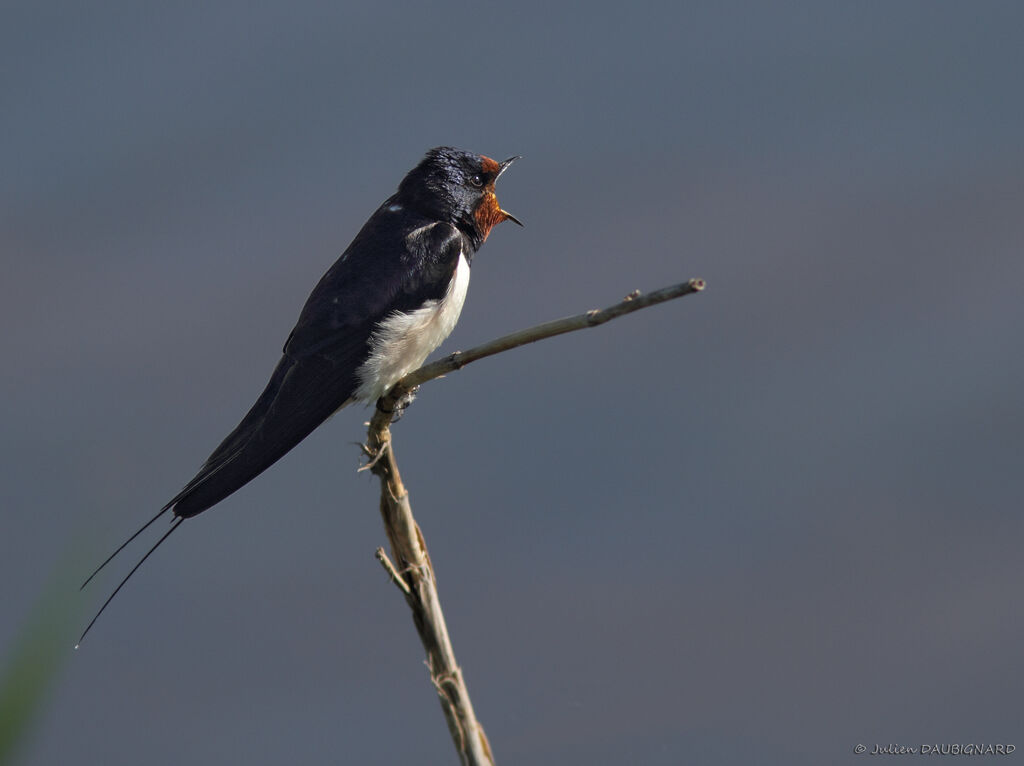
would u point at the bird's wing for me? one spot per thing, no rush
(318, 372)
(384, 270)
(302, 393)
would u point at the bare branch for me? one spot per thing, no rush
(414, 573)
(459, 359)
(415, 576)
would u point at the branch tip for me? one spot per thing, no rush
(634, 301)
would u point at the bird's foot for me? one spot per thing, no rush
(402, 404)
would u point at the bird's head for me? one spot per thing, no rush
(458, 187)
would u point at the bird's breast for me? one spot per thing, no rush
(403, 340)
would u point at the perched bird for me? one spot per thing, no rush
(391, 298)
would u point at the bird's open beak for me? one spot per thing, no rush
(503, 165)
(501, 169)
(510, 217)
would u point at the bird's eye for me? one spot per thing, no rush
(476, 181)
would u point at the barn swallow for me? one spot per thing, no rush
(391, 298)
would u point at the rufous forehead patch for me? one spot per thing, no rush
(489, 166)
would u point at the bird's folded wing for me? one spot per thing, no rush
(302, 393)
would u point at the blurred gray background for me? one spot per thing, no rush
(759, 525)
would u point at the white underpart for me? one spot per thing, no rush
(402, 342)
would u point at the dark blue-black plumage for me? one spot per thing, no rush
(408, 263)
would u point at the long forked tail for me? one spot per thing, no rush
(174, 525)
(301, 394)
(124, 545)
